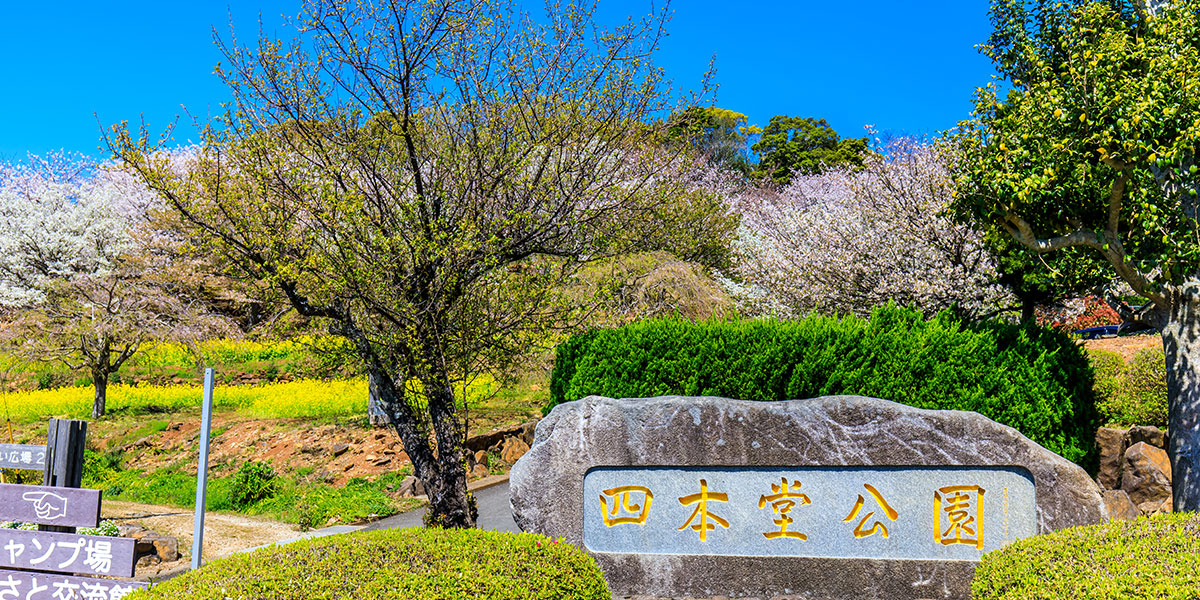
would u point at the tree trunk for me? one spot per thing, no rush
(100, 383)
(448, 503)
(1027, 308)
(1181, 345)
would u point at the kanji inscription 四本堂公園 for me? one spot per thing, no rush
(931, 513)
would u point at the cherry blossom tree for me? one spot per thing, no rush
(844, 241)
(70, 277)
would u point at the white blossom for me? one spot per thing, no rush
(845, 241)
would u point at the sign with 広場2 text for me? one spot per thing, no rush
(22, 456)
(921, 513)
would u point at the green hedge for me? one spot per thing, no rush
(416, 564)
(1134, 393)
(1152, 558)
(1031, 378)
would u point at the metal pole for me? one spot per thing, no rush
(202, 469)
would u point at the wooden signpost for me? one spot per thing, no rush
(47, 564)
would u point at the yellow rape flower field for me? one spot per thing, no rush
(303, 398)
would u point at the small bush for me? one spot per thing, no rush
(1152, 558)
(1031, 378)
(1134, 393)
(253, 482)
(410, 564)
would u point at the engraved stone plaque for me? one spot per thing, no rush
(701, 497)
(922, 513)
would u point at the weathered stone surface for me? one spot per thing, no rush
(1146, 474)
(407, 486)
(1112, 444)
(1120, 506)
(513, 449)
(167, 548)
(1151, 435)
(546, 484)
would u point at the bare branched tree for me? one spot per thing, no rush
(425, 177)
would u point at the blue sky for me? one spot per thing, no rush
(904, 66)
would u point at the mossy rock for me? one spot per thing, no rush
(425, 564)
(1152, 558)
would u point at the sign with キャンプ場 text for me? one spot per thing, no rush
(919, 513)
(65, 507)
(45, 586)
(22, 456)
(67, 552)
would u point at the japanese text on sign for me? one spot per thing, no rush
(932, 513)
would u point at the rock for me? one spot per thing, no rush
(383, 461)
(479, 472)
(148, 560)
(1112, 444)
(513, 449)
(339, 449)
(332, 521)
(492, 438)
(310, 449)
(407, 486)
(1146, 474)
(370, 457)
(1154, 508)
(167, 548)
(1151, 435)
(129, 530)
(481, 457)
(418, 488)
(1119, 505)
(576, 438)
(527, 432)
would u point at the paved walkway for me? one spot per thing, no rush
(491, 495)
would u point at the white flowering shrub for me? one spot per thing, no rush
(844, 241)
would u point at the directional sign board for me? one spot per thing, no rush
(65, 507)
(22, 456)
(44, 586)
(67, 553)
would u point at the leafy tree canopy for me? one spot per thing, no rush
(806, 146)
(720, 134)
(1090, 143)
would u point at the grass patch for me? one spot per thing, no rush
(294, 500)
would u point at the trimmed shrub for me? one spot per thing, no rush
(1152, 558)
(409, 564)
(1134, 393)
(1031, 378)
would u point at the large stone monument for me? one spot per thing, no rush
(841, 497)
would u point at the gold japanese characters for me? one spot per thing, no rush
(957, 511)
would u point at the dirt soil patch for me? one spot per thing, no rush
(224, 533)
(1126, 346)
